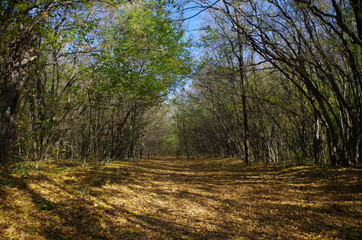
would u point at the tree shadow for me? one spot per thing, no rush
(270, 207)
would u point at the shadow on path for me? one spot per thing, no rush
(169, 198)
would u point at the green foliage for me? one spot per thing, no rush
(144, 54)
(23, 171)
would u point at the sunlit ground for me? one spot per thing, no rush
(169, 198)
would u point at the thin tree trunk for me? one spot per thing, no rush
(244, 100)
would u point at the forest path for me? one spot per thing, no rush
(170, 198)
(194, 199)
(222, 199)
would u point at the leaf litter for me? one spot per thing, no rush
(170, 198)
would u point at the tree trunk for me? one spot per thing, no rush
(244, 100)
(13, 81)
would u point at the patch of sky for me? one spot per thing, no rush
(192, 16)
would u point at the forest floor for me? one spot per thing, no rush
(169, 198)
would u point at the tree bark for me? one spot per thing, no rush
(13, 80)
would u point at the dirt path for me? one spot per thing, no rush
(169, 198)
(178, 199)
(185, 199)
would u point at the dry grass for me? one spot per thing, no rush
(168, 198)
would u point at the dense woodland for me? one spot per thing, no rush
(180, 119)
(267, 81)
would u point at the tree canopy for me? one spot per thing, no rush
(267, 80)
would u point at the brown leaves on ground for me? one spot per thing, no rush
(169, 198)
